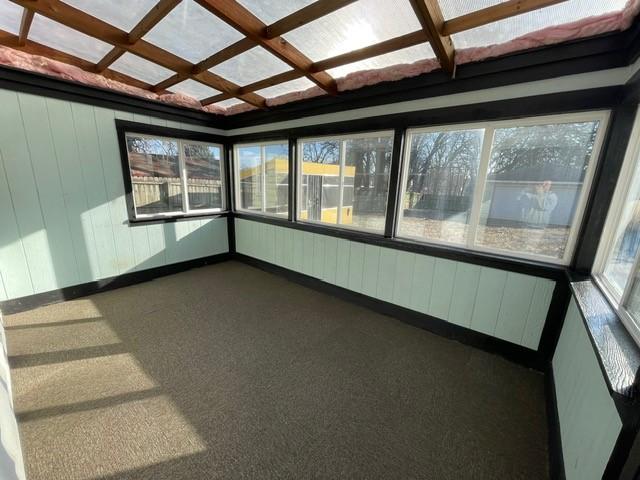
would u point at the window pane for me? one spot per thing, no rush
(440, 181)
(277, 179)
(320, 177)
(155, 174)
(366, 182)
(250, 173)
(204, 178)
(534, 182)
(626, 239)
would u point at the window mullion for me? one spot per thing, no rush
(340, 182)
(183, 177)
(481, 181)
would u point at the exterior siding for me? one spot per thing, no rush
(62, 204)
(506, 305)
(589, 421)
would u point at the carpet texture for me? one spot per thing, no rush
(229, 372)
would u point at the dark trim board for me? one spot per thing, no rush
(556, 457)
(512, 352)
(511, 264)
(103, 285)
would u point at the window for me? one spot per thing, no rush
(262, 178)
(617, 268)
(344, 181)
(173, 177)
(516, 187)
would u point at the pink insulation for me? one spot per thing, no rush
(587, 27)
(556, 34)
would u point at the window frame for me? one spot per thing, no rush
(489, 127)
(340, 138)
(236, 178)
(126, 128)
(630, 163)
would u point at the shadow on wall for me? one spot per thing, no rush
(62, 205)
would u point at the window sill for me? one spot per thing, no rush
(616, 351)
(174, 218)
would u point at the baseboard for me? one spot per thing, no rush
(515, 353)
(556, 458)
(29, 302)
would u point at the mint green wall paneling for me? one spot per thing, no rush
(538, 313)
(515, 306)
(370, 270)
(74, 190)
(405, 264)
(589, 423)
(356, 266)
(3, 291)
(420, 297)
(269, 235)
(93, 175)
(298, 250)
(307, 252)
(279, 246)
(24, 193)
(386, 274)
(442, 288)
(343, 252)
(13, 263)
(330, 259)
(464, 296)
(318, 256)
(488, 299)
(288, 247)
(113, 177)
(49, 187)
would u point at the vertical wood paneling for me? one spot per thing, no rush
(442, 289)
(343, 251)
(488, 299)
(330, 259)
(356, 266)
(422, 283)
(318, 256)
(514, 308)
(62, 206)
(370, 270)
(589, 423)
(386, 274)
(405, 264)
(307, 253)
(298, 252)
(538, 313)
(288, 248)
(464, 297)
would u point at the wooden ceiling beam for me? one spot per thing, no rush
(303, 16)
(432, 21)
(503, 10)
(252, 27)
(89, 25)
(150, 20)
(25, 25)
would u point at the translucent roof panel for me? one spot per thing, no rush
(510, 28)
(194, 89)
(270, 11)
(141, 69)
(296, 85)
(55, 35)
(123, 14)
(229, 103)
(406, 55)
(455, 8)
(251, 66)
(191, 32)
(10, 16)
(355, 26)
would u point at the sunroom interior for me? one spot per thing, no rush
(319, 239)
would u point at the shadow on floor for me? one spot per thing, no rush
(230, 372)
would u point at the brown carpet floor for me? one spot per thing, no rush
(230, 372)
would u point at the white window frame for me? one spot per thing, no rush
(186, 210)
(236, 177)
(341, 139)
(607, 239)
(602, 116)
